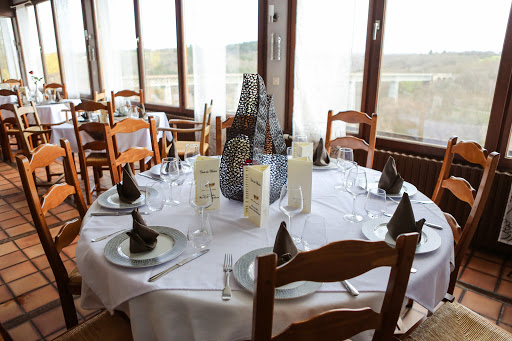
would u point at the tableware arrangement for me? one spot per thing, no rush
(170, 244)
(243, 272)
(107, 235)
(156, 178)
(376, 230)
(170, 172)
(356, 185)
(200, 196)
(200, 233)
(183, 262)
(375, 205)
(314, 234)
(439, 227)
(155, 196)
(291, 203)
(110, 199)
(407, 187)
(227, 268)
(344, 162)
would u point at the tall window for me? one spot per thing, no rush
(439, 68)
(8, 54)
(45, 20)
(158, 21)
(118, 44)
(73, 52)
(30, 43)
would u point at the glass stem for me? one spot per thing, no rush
(354, 205)
(290, 224)
(202, 218)
(170, 185)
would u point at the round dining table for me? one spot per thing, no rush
(186, 303)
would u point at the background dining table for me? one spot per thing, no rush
(186, 304)
(49, 113)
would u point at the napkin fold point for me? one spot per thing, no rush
(390, 180)
(128, 190)
(403, 220)
(320, 156)
(284, 247)
(142, 238)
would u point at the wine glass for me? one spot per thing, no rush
(200, 196)
(314, 235)
(291, 203)
(200, 237)
(356, 185)
(191, 154)
(344, 161)
(155, 196)
(170, 172)
(375, 205)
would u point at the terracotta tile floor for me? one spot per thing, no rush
(29, 303)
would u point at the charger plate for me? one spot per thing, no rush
(244, 275)
(170, 244)
(406, 187)
(110, 199)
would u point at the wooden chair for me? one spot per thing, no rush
(97, 159)
(100, 96)
(352, 141)
(54, 86)
(204, 128)
(14, 82)
(9, 128)
(354, 257)
(67, 284)
(13, 93)
(134, 154)
(127, 93)
(473, 153)
(219, 126)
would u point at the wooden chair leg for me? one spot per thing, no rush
(68, 306)
(48, 174)
(96, 173)
(453, 280)
(85, 177)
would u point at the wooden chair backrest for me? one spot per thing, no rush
(43, 156)
(462, 189)
(54, 87)
(94, 106)
(5, 92)
(14, 82)
(133, 154)
(99, 96)
(8, 122)
(352, 141)
(219, 126)
(205, 129)
(22, 116)
(127, 93)
(354, 257)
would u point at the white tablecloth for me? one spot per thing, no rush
(186, 303)
(139, 138)
(49, 113)
(8, 99)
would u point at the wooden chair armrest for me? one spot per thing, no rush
(39, 132)
(55, 124)
(176, 121)
(180, 130)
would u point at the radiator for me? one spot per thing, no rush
(423, 173)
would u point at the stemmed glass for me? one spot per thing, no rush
(191, 154)
(170, 172)
(314, 235)
(200, 237)
(356, 185)
(155, 196)
(344, 161)
(200, 196)
(375, 205)
(291, 203)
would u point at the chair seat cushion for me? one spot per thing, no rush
(96, 159)
(181, 145)
(75, 281)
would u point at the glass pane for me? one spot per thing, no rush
(329, 63)
(439, 68)
(70, 26)
(158, 22)
(45, 16)
(118, 44)
(8, 54)
(30, 44)
(218, 55)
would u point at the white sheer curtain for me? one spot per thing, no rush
(13, 66)
(327, 38)
(30, 43)
(118, 45)
(74, 53)
(206, 34)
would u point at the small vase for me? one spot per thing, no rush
(39, 96)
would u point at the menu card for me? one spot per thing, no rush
(256, 193)
(207, 169)
(300, 172)
(300, 149)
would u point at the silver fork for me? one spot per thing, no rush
(228, 267)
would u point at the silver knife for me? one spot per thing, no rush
(351, 289)
(439, 227)
(106, 214)
(183, 262)
(151, 177)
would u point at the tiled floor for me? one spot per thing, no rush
(29, 303)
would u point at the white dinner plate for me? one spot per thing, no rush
(110, 199)
(244, 275)
(170, 244)
(330, 166)
(406, 188)
(376, 230)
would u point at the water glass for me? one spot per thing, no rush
(200, 196)
(289, 152)
(344, 161)
(356, 185)
(300, 138)
(375, 205)
(291, 203)
(170, 172)
(155, 196)
(200, 233)
(191, 153)
(314, 235)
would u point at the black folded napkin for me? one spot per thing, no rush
(403, 220)
(390, 180)
(142, 238)
(128, 190)
(58, 97)
(284, 247)
(173, 151)
(320, 156)
(142, 111)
